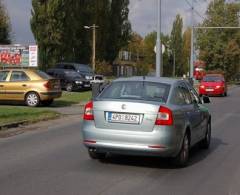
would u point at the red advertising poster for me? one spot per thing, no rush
(17, 55)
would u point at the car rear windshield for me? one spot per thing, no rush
(212, 79)
(138, 90)
(72, 74)
(43, 75)
(84, 68)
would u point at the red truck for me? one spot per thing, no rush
(199, 69)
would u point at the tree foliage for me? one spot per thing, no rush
(186, 50)
(4, 25)
(58, 27)
(219, 48)
(176, 44)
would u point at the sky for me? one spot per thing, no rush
(143, 16)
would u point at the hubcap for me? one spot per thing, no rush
(69, 87)
(208, 134)
(32, 99)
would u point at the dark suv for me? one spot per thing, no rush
(83, 69)
(70, 80)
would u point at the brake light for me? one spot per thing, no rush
(218, 86)
(47, 85)
(202, 86)
(164, 116)
(88, 112)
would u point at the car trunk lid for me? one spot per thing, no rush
(125, 115)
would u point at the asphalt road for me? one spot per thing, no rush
(52, 160)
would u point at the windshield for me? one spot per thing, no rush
(43, 75)
(72, 74)
(138, 90)
(212, 79)
(85, 69)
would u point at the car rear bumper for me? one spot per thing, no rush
(50, 95)
(214, 92)
(163, 142)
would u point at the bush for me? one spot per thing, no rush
(104, 68)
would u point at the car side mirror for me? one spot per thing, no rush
(206, 99)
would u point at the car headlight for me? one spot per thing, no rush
(78, 82)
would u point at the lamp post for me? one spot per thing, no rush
(158, 44)
(93, 27)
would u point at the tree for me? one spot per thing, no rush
(119, 28)
(4, 25)
(150, 55)
(186, 50)
(176, 45)
(58, 27)
(149, 44)
(214, 44)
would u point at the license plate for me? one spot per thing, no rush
(86, 85)
(123, 118)
(209, 89)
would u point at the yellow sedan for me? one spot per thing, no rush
(34, 87)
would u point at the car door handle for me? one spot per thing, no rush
(1, 85)
(24, 85)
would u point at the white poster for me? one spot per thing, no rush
(33, 56)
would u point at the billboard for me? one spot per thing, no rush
(19, 56)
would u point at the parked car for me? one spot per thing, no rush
(147, 116)
(31, 86)
(83, 69)
(98, 79)
(70, 80)
(213, 84)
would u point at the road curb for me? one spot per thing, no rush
(13, 125)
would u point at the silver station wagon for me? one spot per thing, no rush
(147, 116)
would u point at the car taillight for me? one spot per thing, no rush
(218, 86)
(164, 116)
(88, 112)
(202, 86)
(47, 85)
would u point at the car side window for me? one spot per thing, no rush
(194, 95)
(178, 97)
(187, 95)
(19, 76)
(3, 76)
(69, 67)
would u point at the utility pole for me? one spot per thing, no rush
(192, 40)
(158, 43)
(93, 27)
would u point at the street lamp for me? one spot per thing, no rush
(93, 27)
(158, 44)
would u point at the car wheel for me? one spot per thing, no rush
(225, 94)
(32, 99)
(95, 155)
(205, 143)
(181, 159)
(69, 87)
(47, 102)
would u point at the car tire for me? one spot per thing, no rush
(69, 87)
(96, 155)
(47, 102)
(32, 99)
(225, 94)
(181, 160)
(205, 143)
